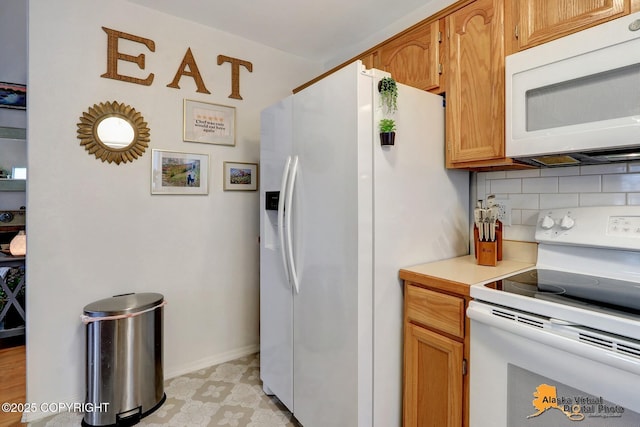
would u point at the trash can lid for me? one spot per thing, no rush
(123, 304)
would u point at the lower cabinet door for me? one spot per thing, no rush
(433, 378)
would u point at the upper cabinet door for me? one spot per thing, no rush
(413, 57)
(538, 21)
(475, 83)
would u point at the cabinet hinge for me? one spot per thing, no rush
(464, 367)
(516, 32)
(439, 36)
(439, 68)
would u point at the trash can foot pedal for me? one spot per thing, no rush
(129, 418)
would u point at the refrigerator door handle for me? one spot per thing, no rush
(283, 189)
(287, 213)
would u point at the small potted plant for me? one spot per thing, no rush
(388, 94)
(387, 131)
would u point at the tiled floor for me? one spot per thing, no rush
(229, 394)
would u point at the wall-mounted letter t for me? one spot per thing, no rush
(235, 73)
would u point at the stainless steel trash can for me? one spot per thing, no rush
(124, 375)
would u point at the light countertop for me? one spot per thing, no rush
(458, 274)
(465, 270)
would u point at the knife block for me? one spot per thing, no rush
(498, 242)
(487, 253)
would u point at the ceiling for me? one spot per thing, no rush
(318, 30)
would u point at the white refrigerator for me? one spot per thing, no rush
(339, 216)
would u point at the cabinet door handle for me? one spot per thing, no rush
(464, 367)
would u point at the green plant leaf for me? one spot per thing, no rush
(387, 125)
(388, 94)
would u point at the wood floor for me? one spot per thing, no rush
(12, 382)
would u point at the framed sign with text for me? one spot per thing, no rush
(209, 123)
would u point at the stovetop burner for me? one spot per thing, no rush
(573, 289)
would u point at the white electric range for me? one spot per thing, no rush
(560, 343)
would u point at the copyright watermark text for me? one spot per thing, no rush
(55, 407)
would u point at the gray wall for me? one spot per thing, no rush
(13, 69)
(13, 51)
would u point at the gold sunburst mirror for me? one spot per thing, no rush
(113, 132)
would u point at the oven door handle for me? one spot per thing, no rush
(561, 322)
(564, 337)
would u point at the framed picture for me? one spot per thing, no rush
(209, 123)
(179, 173)
(240, 176)
(13, 95)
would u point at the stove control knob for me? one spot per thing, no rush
(567, 222)
(547, 223)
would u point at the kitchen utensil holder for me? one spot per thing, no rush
(498, 242)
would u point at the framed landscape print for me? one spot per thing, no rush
(179, 173)
(13, 95)
(240, 176)
(209, 123)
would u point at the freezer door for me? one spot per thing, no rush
(276, 297)
(325, 231)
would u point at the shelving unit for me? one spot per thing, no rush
(11, 299)
(13, 133)
(13, 184)
(14, 137)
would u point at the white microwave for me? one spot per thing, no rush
(576, 100)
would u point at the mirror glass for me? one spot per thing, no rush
(113, 132)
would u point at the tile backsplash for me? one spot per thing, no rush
(528, 191)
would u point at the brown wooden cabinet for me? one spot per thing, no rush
(436, 348)
(475, 86)
(533, 22)
(412, 57)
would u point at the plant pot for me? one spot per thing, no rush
(387, 138)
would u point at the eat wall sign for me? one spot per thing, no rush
(188, 67)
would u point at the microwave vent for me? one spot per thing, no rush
(561, 160)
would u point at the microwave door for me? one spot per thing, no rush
(562, 98)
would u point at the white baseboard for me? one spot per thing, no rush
(211, 361)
